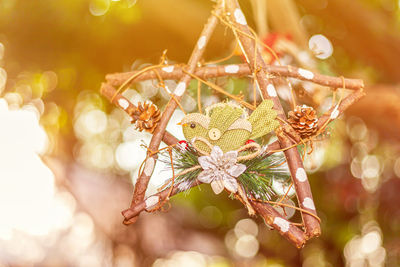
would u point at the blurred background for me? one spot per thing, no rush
(68, 158)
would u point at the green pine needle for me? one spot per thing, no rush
(256, 180)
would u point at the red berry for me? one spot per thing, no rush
(270, 39)
(250, 141)
(183, 145)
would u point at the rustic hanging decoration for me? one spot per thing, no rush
(219, 149)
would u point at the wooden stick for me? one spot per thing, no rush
(337, 110)
(283, 226)
(144, 178)
(265, 210)
(258, 66)
(174, 72)
(149, 203)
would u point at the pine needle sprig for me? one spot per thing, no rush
(256, 180)
(261, 172)
(183, 159)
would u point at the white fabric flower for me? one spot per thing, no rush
(221, 170)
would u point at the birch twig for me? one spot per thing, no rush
(174, 72)
(258, 66)
(144, 178)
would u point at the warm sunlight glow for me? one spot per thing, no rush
(27, 193)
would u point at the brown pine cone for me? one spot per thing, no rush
(304, 121)
(146, 116)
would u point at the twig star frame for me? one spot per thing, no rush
(229, 13)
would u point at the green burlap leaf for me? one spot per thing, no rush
(263, 119)
(231, 124)
(223, 116)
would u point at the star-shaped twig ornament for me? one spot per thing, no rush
(289, 135)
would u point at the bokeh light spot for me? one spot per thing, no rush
(246, 227)
(128, 156)
(247, 246)
(3, 79)
(371, 242)
(99, 7)
(320, 46)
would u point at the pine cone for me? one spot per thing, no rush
(304, 121)
(146, 116)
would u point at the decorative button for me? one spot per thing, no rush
(214, 134)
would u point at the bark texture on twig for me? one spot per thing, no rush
(144, 178)
(174, 72)
(337, 110)
(265, 210)
(271, 217)
(152, 201)
(258, 66)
